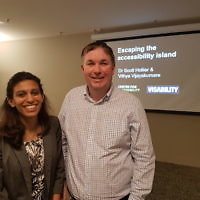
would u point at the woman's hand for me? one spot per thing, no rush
(56, 197)
(66, 195)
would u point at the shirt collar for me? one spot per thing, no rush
(102, 100)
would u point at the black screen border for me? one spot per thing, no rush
(151, 36)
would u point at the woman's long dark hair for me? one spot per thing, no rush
(11, 126)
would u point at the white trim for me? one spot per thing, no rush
(148, 31)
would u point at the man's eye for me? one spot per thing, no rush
(90, 63)
(104, 63)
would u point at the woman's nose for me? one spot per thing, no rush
(29, 98)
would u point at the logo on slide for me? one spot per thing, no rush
(163, 89)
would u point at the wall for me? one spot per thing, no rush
(176, 137)
(57, 62)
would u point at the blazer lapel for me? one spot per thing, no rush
(25, 166)
(47, 158)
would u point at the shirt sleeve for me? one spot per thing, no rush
(142, 154)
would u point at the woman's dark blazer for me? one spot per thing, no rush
(15, 171)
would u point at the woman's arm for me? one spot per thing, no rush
(3, 192)
(59, 171)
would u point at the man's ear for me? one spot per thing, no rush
(82, 67)
(11, 103)
(113, 68)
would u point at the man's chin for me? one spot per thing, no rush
(98, 87)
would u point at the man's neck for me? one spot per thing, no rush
(98, 94)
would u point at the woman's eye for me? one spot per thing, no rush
(20, 94)
(36, 92)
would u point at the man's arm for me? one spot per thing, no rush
(142, 154)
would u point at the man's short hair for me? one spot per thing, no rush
(99, 44)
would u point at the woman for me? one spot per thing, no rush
(31, 160)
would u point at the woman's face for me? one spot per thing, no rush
(27, 99)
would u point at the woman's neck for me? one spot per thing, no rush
(32, 129)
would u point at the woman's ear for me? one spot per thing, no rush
(43, 97)
(11, 102)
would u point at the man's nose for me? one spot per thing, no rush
(97, 68)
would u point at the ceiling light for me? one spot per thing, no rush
(4, 37)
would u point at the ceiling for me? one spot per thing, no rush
(44, 18)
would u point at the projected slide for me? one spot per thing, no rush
(163, 71)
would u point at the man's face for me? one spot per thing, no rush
(98, 70)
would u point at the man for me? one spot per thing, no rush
(106, 140)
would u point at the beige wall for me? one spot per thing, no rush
(56, 61)
(176, 138)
